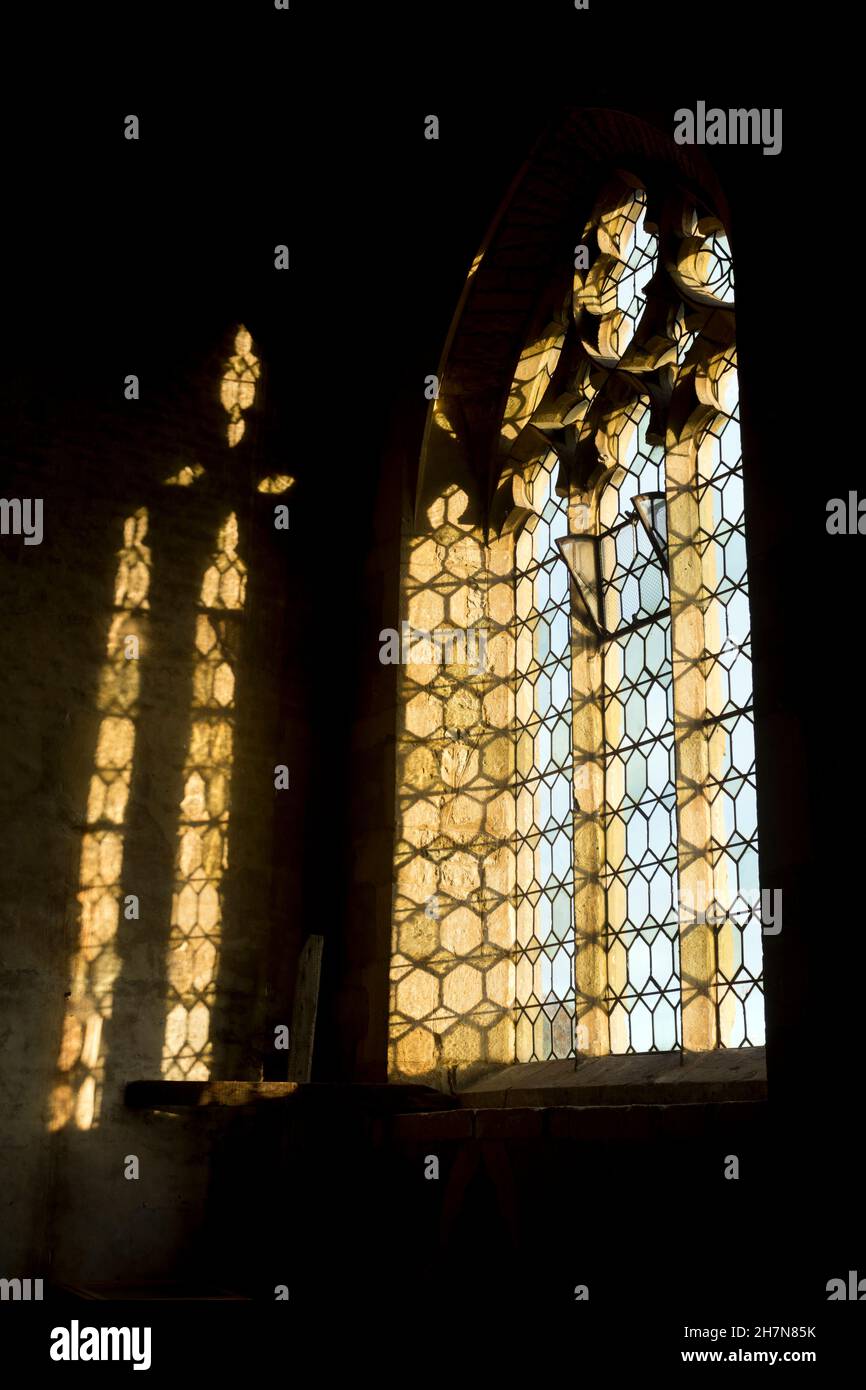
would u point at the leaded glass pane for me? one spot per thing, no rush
(545, 888)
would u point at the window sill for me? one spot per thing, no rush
(658, 1078)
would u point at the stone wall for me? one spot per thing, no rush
(96, 751)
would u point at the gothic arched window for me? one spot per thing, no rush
(615, 907)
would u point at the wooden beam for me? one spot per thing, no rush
(367, 1098)
(171, 1095)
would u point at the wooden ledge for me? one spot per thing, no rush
(186, 1095)
(367, 1099)
(696, 1078)
(657, 1078)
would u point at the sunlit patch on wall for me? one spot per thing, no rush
(452, 946)
(202, 849)
(276, 482)
(76, 1096)
(185, 476)
(238, 386)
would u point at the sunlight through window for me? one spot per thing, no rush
(76, 1097)
(238, 387)
(202, 849)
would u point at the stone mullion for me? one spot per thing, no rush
(698, 965)
(590, 916)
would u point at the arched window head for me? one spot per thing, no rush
(704, 262)
(636, 252)
(614, 287)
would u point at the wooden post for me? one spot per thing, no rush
(304, 1010)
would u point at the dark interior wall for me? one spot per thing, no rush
(154, 286)
(67, 1194)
